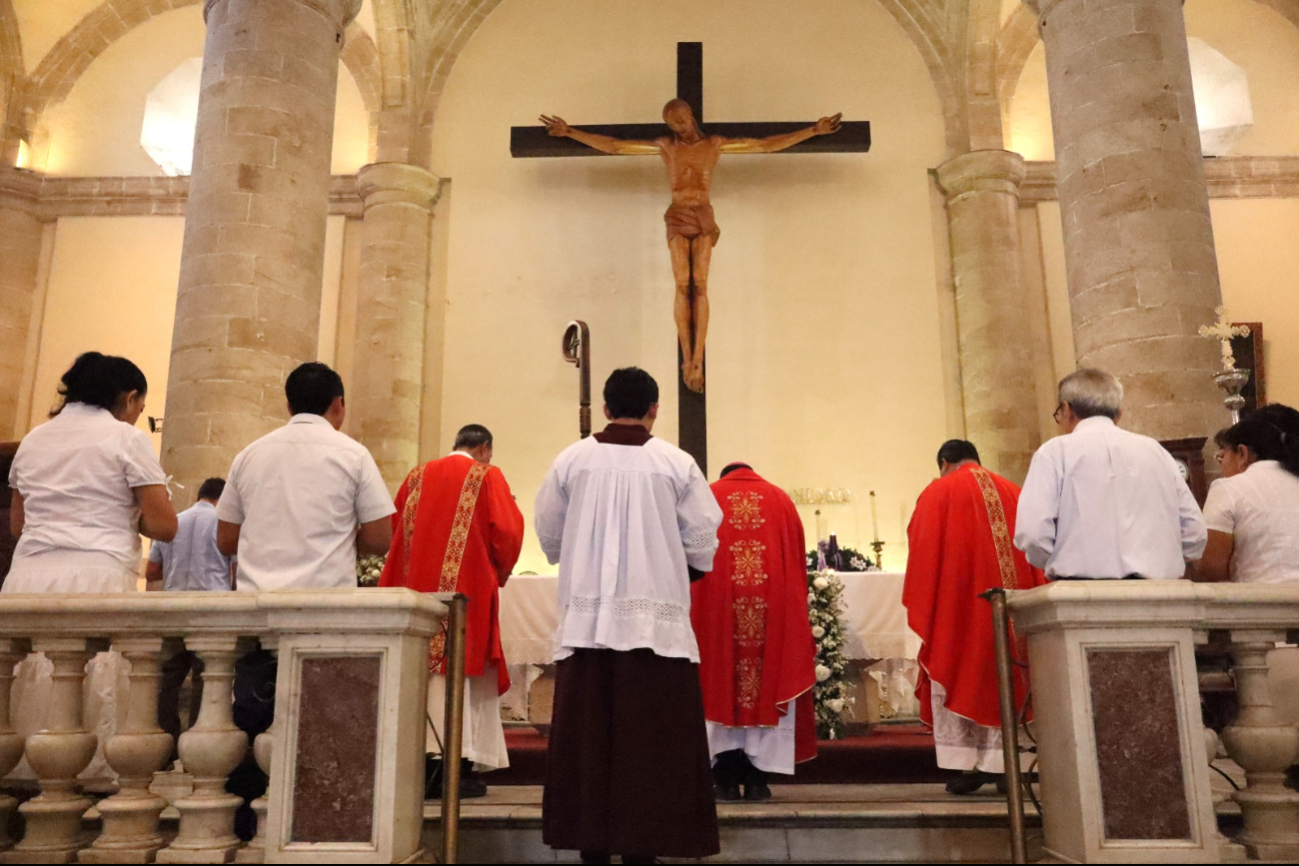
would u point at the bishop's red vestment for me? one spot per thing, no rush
(458, 529)
(960, 546)
(756, 651)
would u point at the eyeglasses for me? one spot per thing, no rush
(1058, 413)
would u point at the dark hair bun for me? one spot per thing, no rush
(101, 380)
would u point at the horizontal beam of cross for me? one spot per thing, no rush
(534, 141)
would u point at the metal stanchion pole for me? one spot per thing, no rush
(453, 729)
(1009, 723)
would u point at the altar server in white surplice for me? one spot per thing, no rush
(630, 520)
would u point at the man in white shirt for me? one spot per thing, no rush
(630, 520)
(1101, 502)
(190, 562)
(299, 504)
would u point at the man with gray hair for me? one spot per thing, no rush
(1101, 502)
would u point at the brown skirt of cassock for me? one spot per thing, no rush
(628, 770)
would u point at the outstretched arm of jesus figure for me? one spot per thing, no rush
(604, 143)
(774, 143)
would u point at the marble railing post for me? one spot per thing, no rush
(255, 850)
(137, 751)
(11, 742)
(1265, 746)
(57, 754)
(387, 380)
(248, 300)
(211, 750)
(1138, 243)
(982, 190)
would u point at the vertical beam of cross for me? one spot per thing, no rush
(692, 407)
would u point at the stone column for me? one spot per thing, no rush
(1143, 274)
(248, 304)
(982, 190)
(388, 374)
(20, 253)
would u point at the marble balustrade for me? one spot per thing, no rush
(352, 679)
(1117, 718)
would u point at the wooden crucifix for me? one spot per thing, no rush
(690, 156)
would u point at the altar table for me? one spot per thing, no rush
(874, 620)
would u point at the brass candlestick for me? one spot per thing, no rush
(878, 547)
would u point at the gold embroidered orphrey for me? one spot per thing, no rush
(748, 681)
(748, 563)
(455, 554)
(1000, 528)
(746, 510)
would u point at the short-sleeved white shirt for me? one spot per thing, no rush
(77, 473)
(1260, 508)
(300, 493)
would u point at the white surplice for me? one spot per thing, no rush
(629, 519)
(483, 733)
(964, 744)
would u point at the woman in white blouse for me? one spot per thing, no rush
(86, 484)
(1252, 512)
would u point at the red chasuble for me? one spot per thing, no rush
(756, 652)
(960, 537)
(457, 529)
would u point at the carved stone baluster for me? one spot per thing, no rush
(57, 754)
(1265, 746)
(11, 742)
(211, 749)
(135, 752)
(255, 850)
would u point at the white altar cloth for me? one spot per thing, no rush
(875, 622)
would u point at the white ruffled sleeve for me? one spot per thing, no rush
(698, 516)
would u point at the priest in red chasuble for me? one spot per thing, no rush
(960, 538)
(756, 651)
(458, 529)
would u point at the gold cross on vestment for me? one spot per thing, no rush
(1224, 331)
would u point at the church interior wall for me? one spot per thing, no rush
(825, 358)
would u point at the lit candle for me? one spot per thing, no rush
(875, 517)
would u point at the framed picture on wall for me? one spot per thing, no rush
(1249, 356)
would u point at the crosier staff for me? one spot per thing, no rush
(577, 350)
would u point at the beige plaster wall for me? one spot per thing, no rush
(1258, 261)
(825, 367)
(112, 288)
(1250, 34)
(96, 130)
(104, 295)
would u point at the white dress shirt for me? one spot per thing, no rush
(191, 561)
(1260, 509)
(77, 473)
(300, 493)
(1105, 503)
(623, 522)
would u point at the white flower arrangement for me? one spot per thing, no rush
(831, 693)
(369, 569)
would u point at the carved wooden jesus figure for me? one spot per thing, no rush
(690, 157)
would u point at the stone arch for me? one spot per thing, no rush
(458, 22)
(11, 76)
(60, 69)
(981, 94)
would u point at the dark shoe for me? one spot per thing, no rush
(1292, 778)
(1002, 788)
(726, 793)
(639, 858)
(590, 857)
(969, 783)
(756, 792)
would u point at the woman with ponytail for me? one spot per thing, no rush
(86, 485)
(1253, 511)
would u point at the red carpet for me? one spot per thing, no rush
(889, 754)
